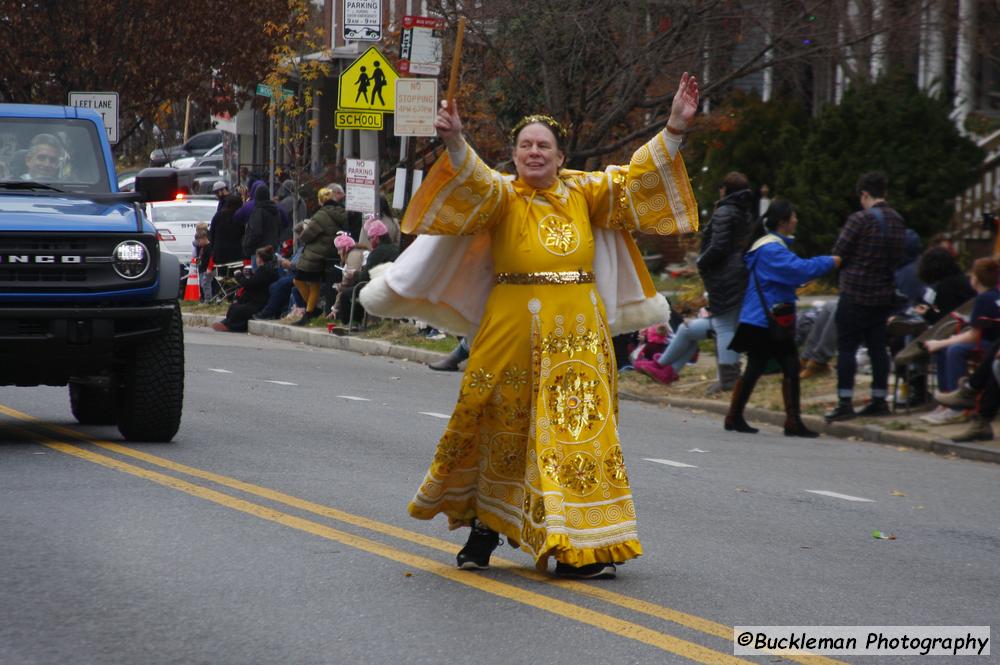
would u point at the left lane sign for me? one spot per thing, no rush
(105, 103)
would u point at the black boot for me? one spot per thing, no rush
(452, 361)
(734, 419)
(843, 411)
(793, 414)
(478, 548)
(876, 407)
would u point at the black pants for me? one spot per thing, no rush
(983, 381)
(239, 313)
(857, 324)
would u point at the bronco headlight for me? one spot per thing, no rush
(130, 259)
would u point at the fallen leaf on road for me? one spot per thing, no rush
(897, 493)
(407, 574)
(697, 410)
(882, 535)
(919, 507)
(740, 489)
(902, 450)
(805, 547)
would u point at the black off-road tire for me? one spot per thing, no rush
(151, 393)
(92, 405)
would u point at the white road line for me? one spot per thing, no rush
(432, 414)
(352, 397)
(281, 383)
(845, 497)
(670, 463)
(220, 371)
(697, 450)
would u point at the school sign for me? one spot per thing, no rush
(368, 84)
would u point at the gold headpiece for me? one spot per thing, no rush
(547, 120)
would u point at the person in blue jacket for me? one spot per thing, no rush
(779, 272)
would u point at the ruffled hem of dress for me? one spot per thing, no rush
(558, 546)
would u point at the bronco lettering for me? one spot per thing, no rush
(39, 258)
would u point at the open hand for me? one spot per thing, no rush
(685, 103)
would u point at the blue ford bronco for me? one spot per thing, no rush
(87, 299)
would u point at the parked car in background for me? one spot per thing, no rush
(190, 160)
(176, 221)
(196, 146)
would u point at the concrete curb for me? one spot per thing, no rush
(841, 430)
(872, 433)
(321, 338)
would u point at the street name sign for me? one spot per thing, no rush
(264, 90)
(368, 84)
(363, 20)
(361, 185)
(357, 120)
(416, 107)
(420, 45)
(105, 103)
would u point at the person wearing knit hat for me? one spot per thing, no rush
(383, 250)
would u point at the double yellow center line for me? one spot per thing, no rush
(606, 622)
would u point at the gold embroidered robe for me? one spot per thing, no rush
(532, 449)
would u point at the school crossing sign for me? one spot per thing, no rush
(368, 84)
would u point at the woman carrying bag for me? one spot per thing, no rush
(767, 320)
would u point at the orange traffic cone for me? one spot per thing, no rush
(192, 291)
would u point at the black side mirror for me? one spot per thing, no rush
(156, 184)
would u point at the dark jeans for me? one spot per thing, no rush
(857, 324)
(278, 297)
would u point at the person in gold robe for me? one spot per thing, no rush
(547, 274)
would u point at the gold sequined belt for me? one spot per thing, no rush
(574, 277)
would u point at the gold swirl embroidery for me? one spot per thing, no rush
(574, 403)
(538, 512)
(453, 447)
(549, 462)
(572, 344)
(481, 380)
(515, 377)
(578, 473)
(507, 453)
(558, 234)
(614, 466)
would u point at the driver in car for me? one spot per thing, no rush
(44, 159)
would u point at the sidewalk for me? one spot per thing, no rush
(900, 429)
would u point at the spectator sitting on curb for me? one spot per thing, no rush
(253, 293)
(383, 251)
(981, 393)
(282, 294)
(952, 353)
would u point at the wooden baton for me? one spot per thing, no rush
(456, 58)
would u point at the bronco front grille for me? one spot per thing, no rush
(68, 262)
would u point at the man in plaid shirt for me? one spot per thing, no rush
(871, 245)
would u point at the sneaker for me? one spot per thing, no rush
(591, 571)
(876, 407)
(478, 548)
(664, 374)
(944, 416)
(962, 398)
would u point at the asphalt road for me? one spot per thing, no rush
(273, 530)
